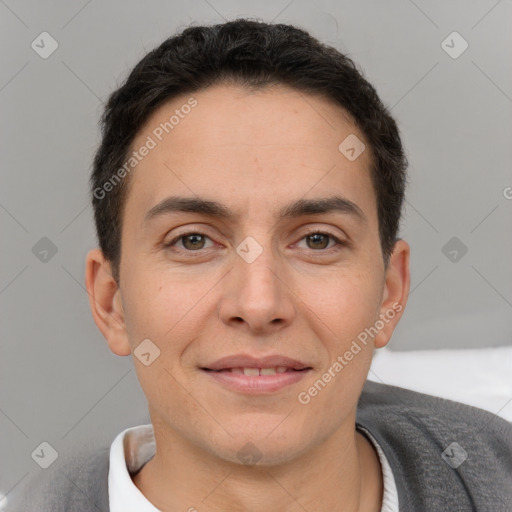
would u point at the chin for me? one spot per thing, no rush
(260, 447)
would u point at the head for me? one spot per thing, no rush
(222, 154)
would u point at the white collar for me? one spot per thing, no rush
(131, 449)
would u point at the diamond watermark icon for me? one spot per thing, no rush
(44, 250)
(44, 45)
(249, 249)
(45, 455)
(351, 147)
(146, 352)
(454, 45)
(454, 249)
(249, 454)
(454, 455)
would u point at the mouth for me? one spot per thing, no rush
(255, 372)
(249, 375)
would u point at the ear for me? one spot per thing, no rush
(105, 302)
(396, 291)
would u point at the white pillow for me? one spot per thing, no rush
(478, 377)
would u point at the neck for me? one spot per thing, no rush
(343, 475)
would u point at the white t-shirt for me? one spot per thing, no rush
(133, 447)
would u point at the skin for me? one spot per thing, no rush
(304, 298)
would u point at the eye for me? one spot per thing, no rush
(192, 241)
(319, 240)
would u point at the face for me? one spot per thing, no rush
(256, 275)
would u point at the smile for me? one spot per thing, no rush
(256, 380)
(258, 371)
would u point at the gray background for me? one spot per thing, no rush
(60, 383)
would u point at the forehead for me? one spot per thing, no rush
(258, 114)
(233, 143)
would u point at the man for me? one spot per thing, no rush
(247, 196)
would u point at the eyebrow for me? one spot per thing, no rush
(296, 209)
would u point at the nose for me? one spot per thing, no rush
(256, 294)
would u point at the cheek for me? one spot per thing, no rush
(344, 305)
(166, 316)
(171, 315)
(166, 393)
(150, 306)
(346, 311)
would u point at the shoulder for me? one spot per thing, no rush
(442, 453)
(76, 482)
(429, 413)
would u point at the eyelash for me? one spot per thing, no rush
(339, 242)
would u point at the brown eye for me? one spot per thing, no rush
(318, 240)
(191, 242)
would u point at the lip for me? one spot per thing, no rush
(252, 384)
(248, 361)
(256, 385)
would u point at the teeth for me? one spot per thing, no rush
(257, 371)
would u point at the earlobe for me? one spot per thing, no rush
(396, 291)
(105, 301)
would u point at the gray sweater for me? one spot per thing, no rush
(413, 430)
